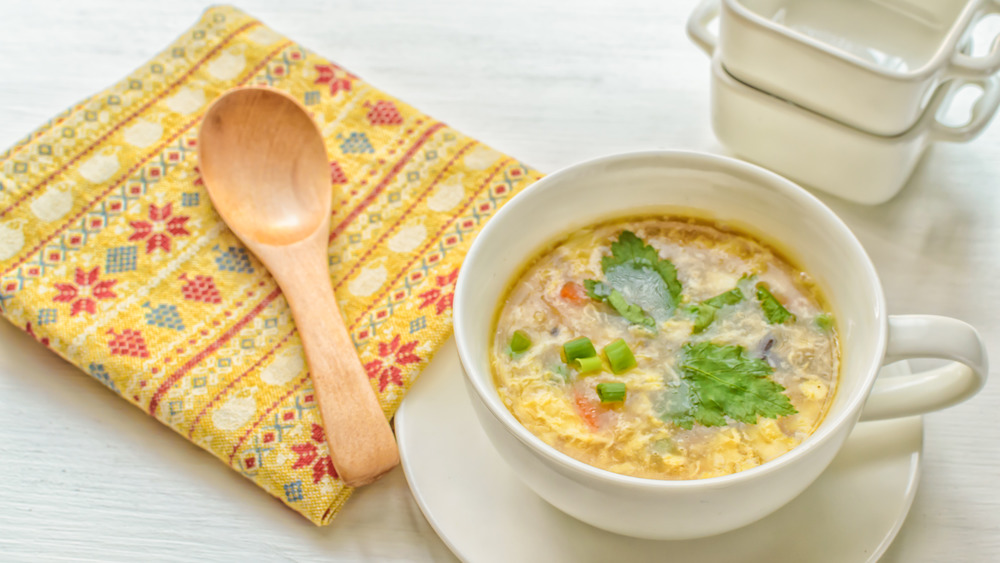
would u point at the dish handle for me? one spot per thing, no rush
(697, 26)
(982, 110)
(928, 336)
(969, 66)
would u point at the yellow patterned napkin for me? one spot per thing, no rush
(112, 256)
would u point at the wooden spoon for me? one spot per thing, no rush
(265, 167)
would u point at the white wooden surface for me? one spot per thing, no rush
(84, 476)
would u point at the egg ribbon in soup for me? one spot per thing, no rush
(665, 348)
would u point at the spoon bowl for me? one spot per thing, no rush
(276, 200)
(265, 167)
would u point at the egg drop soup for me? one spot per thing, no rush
(665, 348)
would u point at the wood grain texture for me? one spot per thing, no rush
(88, 477)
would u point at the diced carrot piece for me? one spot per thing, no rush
(588, 410)
(574, 293)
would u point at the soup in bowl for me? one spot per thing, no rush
(665, 347)
(796, 257)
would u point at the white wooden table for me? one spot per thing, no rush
(84, 476)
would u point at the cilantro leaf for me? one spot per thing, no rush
(601, 291)
(776, 314)
(628, 269)
(646, 285)
(704, 315)
(704, 312)
(731, 297)
(723, 381)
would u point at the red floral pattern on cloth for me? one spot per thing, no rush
(440, 296)
(384, 112)
(200, 288)
(391, 357)
(85, 292)
(308, 456)
(338, 78)
(161, 227)
(337, 175)
(128, 343)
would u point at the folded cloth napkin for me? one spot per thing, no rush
(112, 255)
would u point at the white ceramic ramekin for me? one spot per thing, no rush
(830, 156)
(763, 203)
(848, 65)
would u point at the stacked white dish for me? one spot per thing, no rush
(846, 95)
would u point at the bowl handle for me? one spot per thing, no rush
(969, 66)
(928, 336)
(982, 110)
(697, 26)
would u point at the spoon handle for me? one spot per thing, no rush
(362, 446)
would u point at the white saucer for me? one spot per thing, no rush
(484, 513)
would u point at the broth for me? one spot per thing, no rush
(677, 417)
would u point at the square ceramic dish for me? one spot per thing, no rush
(871, 64)
(821, 153)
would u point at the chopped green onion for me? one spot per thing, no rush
(519, 342)
(585, 365)
(578, 348)
(731, 297)
(773, 310)
(619, 356)
(611, 392)
(824, 321)
(703, 316)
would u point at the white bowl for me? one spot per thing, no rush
(830, 156)
(871, 64)
(765, 204)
